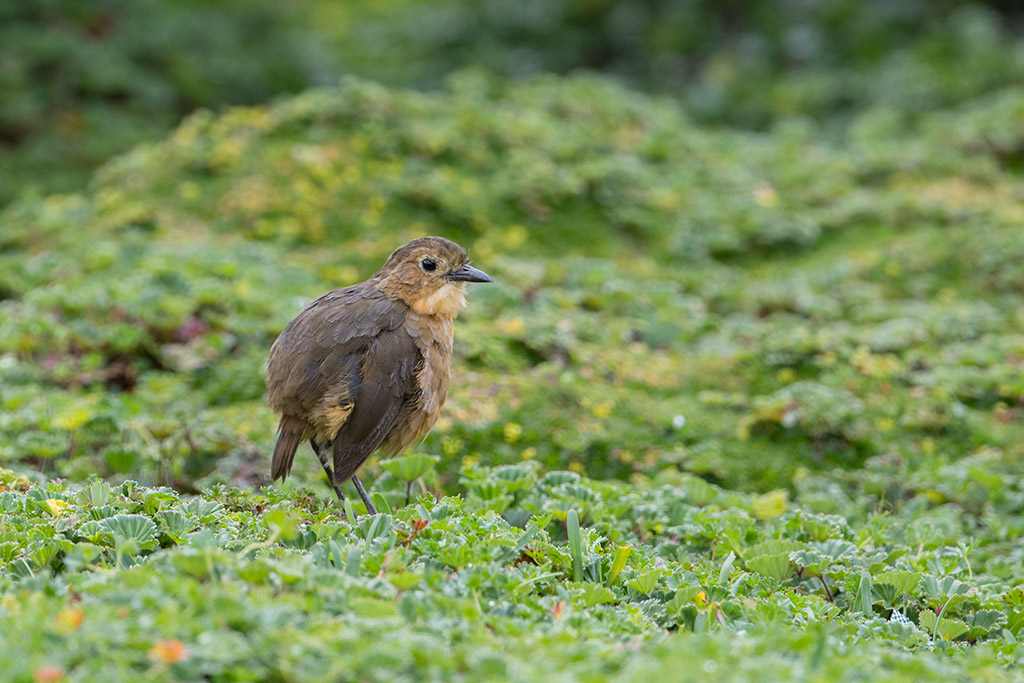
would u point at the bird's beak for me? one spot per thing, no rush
(468, 273)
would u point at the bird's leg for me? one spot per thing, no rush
(362, 494)
(322, 452)
(330, 478)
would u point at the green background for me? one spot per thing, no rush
(757, 323)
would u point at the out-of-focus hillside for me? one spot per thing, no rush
(80, 82)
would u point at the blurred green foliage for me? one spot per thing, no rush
(82, 81)
(741, 62)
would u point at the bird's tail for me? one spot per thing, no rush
(289, 436)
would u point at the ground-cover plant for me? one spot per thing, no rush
(236, 585)
(776, 383)
(740, 306)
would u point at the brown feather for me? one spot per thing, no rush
(366, 367)
(289, 435)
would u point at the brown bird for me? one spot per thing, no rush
(366, 368)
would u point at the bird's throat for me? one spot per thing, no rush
(445, 302)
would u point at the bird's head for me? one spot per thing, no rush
(429, 274)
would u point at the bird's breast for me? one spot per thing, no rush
(433, 337)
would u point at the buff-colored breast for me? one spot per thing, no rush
(434, 338)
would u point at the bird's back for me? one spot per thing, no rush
(322, 347)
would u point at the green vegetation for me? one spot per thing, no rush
(776, 382)
(739, 405)
(82, 81)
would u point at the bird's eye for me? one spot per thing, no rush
(428, 264)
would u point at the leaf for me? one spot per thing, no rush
(122, 459)
(175, 524)
(810, 561)
(619, 562)
(944, 593)
(196, 562)
(572, 525)
(43, 444)
(943, 588)
(381, 503)
(132, 529)
(55, 506)
(594, 593)
(984, 621)
(726, 571)
(686, 595)
(946, 629)
(97, 533)
(96, 494)
(863, 600)
(903, 581)
(404, 580)
(373, 608)
(835, 549)
(254, 571)
(700, 492)
(411, 467)
(524, 540)
(498, 504)
(1014, 596)
(202, 509)
(43, 553)
(71, 418)
(353, 561)
(770, 505)
(646, 582)
(773, 547)
(281, 523)
(773, 566)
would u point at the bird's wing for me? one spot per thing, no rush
(388, 386)
(321, 351)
